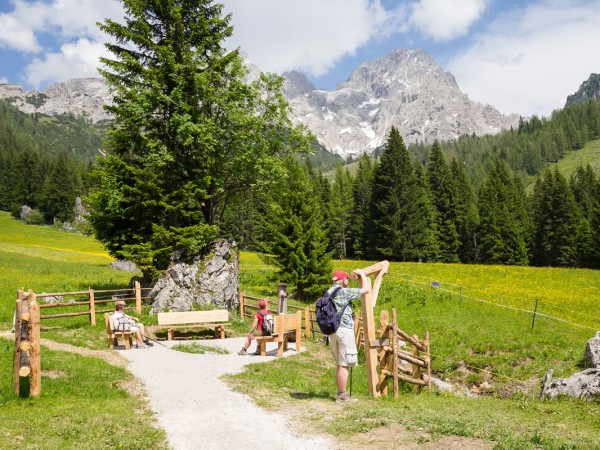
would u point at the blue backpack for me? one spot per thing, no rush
(328, 318)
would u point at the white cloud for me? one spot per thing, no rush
(75, 60)
(445, 20)
(310, 35)
(527, 61)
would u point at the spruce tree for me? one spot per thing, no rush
(190, 132)
(556, 219)
(61, 187)
(501, 210)
(296, 240)
(340, 212)
(361, 193)
(445, 202)
(400, 227)
(467, 219)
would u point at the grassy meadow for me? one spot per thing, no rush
(480, 325)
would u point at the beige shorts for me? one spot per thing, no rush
(343, 347)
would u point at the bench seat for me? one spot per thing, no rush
(216, 319)
(116, 335)
(287, 327)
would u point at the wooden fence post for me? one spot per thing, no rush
(92, 309)
(307, 324)
(395, 351)
(416, 370)
(34, 351)
(242, 306)
(138, 297)
(281, 298)
(17, 353)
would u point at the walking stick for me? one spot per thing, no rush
(350, 381)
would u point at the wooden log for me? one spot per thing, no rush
(416, 381)
(34, 353)
(17, 351)
(416, 366)
(138, 297)
(411, 358)
(24, 371)
(307, 323)
(428, 360)
(24, 346)
(242, 306)
(411, 340)
(395, 351)
(92, 309)
(25, 317)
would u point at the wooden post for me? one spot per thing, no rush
(34, 341)
(384, 353)
(428, 360)
(368, 303)
(92, 309)
(416, 370)
(395, 351)
(242, 306)
(18, 350)
(138, 297)
(307, 323)
(281, 298)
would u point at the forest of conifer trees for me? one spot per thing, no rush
(458, 201)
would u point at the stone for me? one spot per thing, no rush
(592, 352)
(585, 384)
(209, 281)
(124, 265)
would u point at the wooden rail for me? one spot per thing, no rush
(93, 299)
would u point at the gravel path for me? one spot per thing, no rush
(199, 411)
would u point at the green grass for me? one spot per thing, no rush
(479, 322)
(200, 349)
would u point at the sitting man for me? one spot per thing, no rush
(257, 328)
(137, 327)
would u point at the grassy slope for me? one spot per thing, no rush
(467, 336)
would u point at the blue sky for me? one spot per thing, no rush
(519, 56)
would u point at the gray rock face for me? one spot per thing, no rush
(83, 97)
(584, 384)
(213, 281)
(406, 89)
(592, 352)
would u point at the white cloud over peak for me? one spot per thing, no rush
(526, 61)
(310, 35)
(79, 59)
(443, 19)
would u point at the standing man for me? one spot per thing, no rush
(343, 344)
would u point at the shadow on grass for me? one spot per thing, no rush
(309, 396)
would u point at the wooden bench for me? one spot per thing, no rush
(116, 335)
(286, 326)
(194, 319)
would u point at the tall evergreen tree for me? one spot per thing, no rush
(445, 202)
(555, 217)
(467, 219)
(361, 193)
(400, 227)
(62, 186)
(296, 238)
(586, 191)
(189, 131)
(340, 211)
(501, 212)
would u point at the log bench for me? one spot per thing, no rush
(286, 326)
(116, 335)
(216, 319)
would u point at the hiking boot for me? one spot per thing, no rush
(148, 343)
(141, 346)
(242, 352)
(257, 352)
(345, 398)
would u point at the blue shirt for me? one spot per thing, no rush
(343, 298)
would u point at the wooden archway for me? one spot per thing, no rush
(369, 301)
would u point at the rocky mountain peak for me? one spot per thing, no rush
(589, 90)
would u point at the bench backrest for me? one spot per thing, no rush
(109, 323)
(287, 322)
(179, 318)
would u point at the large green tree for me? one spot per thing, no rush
(401, 226)
(190, 131)
(296, 234)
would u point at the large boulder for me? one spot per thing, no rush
(210, 281)
(592, 352)
(584, 384)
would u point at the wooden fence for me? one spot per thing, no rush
(93, 301)
(27, 363)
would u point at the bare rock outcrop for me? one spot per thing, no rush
(211, 281)
(584, 384)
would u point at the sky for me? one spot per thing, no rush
(518, 56)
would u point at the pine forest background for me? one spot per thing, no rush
(527, 196)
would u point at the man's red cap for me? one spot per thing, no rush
(262, 304)
(340, 275)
